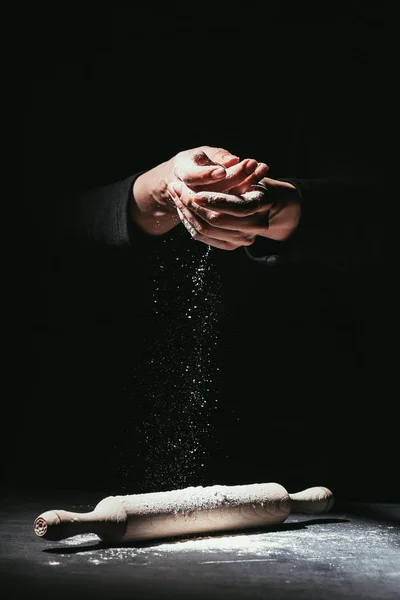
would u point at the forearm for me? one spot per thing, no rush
(113, 215)
(98, 216)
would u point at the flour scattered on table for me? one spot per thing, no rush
(77, 540)
(314, 543)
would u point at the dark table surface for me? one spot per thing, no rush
(353, 552)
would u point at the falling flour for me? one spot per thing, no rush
(177, 382)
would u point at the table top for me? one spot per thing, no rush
(353, 552)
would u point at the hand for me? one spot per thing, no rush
(227, 221)
(205, 167)
(216, 169)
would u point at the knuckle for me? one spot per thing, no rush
(214, 217)
(202, 228)
(249, 240)
(193, 207)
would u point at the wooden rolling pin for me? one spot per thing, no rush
(185, 511)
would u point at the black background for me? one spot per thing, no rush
(297, 357)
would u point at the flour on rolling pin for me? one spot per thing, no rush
(186, 511)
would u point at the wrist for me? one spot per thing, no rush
(150, 208)
(150, 193)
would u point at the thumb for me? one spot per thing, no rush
(175, 189)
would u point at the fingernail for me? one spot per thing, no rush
(262, 168)
(251, 166)
(218, 173)
(229, 157)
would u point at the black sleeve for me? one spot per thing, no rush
(341, 226)
(95, 218)
(98, 216)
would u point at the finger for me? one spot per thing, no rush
(221, 156)
(252, 202)
(221, 244)
(228, 160)
(198, 227)
(203, 165)
(248, 204)
(199, 175)
(234, 176)
(252, 179)
(247, 225)
(177, 189)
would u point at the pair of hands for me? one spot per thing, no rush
(222, 201)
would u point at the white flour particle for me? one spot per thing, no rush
(177, 385)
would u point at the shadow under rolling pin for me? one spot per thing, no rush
(192, 510)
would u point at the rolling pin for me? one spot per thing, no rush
(192, 510)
